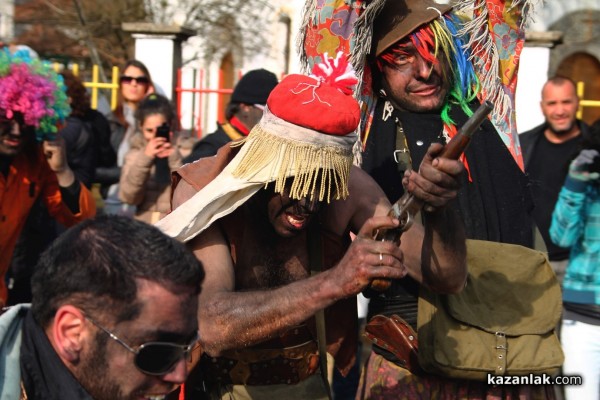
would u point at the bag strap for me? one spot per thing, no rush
(315, 256)
(402, 152)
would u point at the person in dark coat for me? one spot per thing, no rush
(243, 112)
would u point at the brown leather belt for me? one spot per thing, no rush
(261, 365)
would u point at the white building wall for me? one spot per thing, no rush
(7, 8)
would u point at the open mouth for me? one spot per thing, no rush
(11, 140)
(295, 220)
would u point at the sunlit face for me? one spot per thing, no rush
(151, 123)
(134, 91)
(107, 369)
(413, 83)
(288, 216)
(12, 136)
(559, 106)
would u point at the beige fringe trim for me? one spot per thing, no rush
(315, 170)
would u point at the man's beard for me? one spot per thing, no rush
(93, 373)
(562, 132)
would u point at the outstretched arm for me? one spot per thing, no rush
(236, 319)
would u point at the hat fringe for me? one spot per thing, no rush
(486, 58)
(314, 169)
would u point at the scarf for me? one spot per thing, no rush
(43, 373)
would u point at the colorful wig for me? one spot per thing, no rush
(33, 89)
(439, 40)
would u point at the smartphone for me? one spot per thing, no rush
(164, 131)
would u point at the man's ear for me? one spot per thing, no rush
(67, 333)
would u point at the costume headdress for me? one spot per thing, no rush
(304, 139)
(494, 37)
(32, 88)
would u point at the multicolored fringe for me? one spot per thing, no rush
(314, 170)
(495, 36)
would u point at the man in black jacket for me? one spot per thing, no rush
(547, 151)
(243, 112)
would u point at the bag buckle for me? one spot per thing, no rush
(501, 350)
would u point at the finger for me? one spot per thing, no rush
(448, 166)
(372, 224)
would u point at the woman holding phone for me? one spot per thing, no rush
(146, 174)
(135, 83)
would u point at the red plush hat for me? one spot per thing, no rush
(322, 101)
(307, 132)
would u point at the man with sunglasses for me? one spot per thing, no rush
(270, 218)
(113, 316)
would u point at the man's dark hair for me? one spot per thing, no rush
(561, 80)
(95, 264)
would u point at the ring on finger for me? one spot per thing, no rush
(380, 259)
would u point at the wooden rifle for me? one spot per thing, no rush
(408, 206)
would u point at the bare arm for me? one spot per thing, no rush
(230, 319)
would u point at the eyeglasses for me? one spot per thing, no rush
(153, 358)
(142, 80)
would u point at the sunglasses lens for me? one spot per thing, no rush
(142, 80)
(158, 358)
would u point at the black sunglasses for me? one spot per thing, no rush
(142, 80)
(153, 358)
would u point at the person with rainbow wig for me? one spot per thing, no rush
(425, 67)
(33, 163)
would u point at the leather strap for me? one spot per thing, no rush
(402, 153)
(315, 256)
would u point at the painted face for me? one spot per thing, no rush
(289, 216)
(12, 136)
(151, 122)
(107, 370)
(559, 106)
(133, 89)
(413, 83)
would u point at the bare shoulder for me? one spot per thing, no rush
(182, 193)
(365, 200)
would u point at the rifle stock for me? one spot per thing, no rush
(408, 206)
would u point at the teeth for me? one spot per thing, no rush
(157, 397)
(295, 220)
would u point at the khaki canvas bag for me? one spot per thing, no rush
(502, 323)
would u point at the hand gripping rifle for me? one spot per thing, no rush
(408, 206)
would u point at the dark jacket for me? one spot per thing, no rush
(209, 144)
(530, 139)
(107, 174)
(81, 149)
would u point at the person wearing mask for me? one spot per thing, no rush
(33, 161)
(113, 316)
(154, 154)
(547, 149)
(426, 68)
(134, 84)
(86, 134)
(243, 112)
